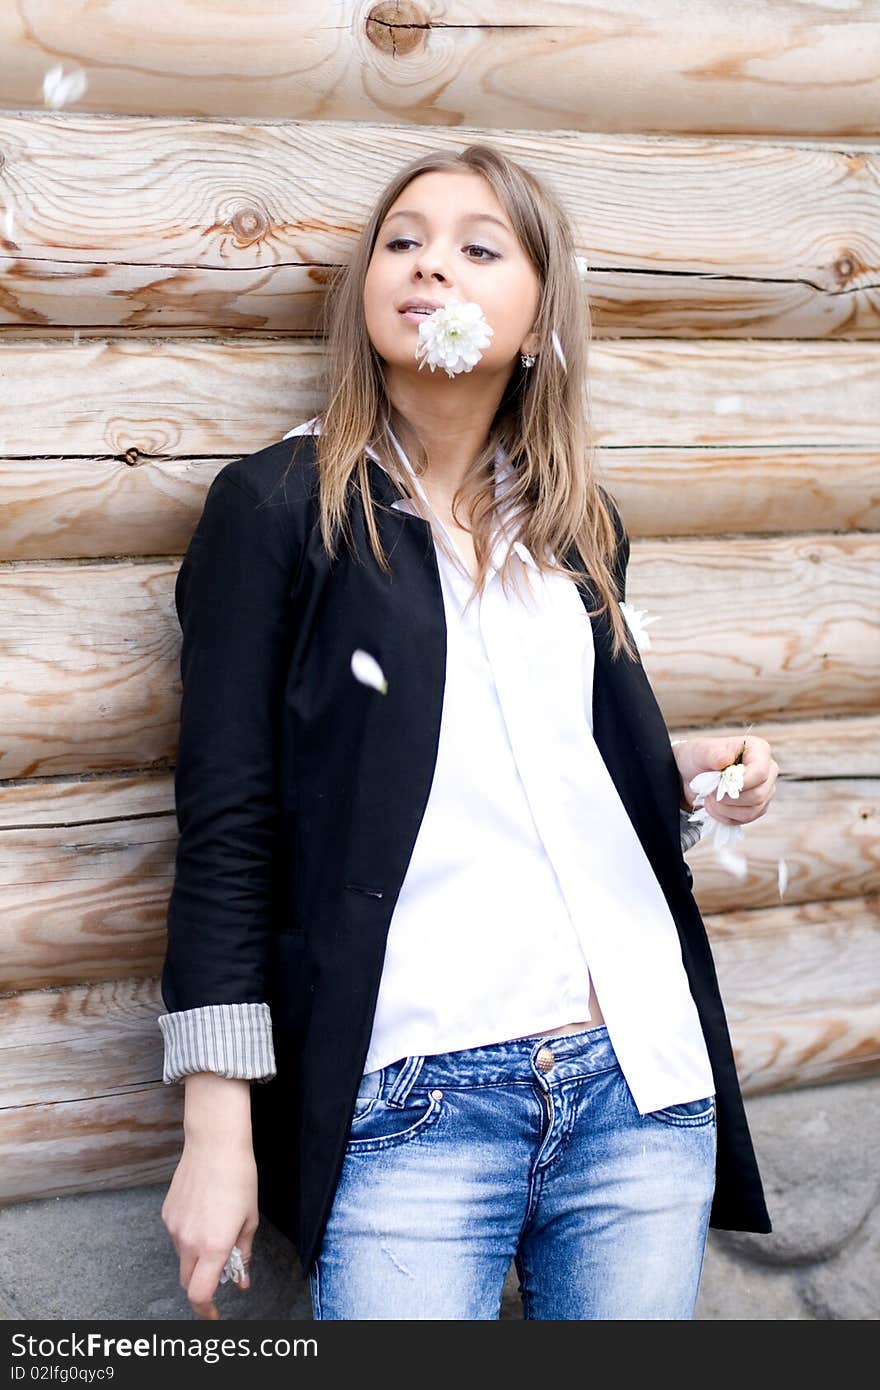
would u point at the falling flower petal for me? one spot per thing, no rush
(453, 337)
(557, 348)
(782, 876)
(60, 90)
(367, 670)
(735, 863)
(722, 834)
(581, 265)
(9, 224)
(637, 620)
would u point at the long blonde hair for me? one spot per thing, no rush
(542, 421)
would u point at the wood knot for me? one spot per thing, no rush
(249, 224)
(847, 267)
(398, 27)
(131, 457)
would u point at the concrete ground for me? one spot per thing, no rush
(108, 1254)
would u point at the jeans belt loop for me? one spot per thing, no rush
(406, 1079)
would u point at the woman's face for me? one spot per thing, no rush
(448, 237)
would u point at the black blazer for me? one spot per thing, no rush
(300, 791)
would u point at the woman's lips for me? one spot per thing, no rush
(416, 315)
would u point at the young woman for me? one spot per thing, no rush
(430, 893)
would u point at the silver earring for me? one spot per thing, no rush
(527, 359)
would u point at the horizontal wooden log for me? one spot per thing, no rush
(827, 832)
(85, 873)
(751, 629)
(129, 399)
(142, 224)
(627, 65)
(82, 1105)
(809, 749)
(87, 866)
(801, 987)
(81, 508)
(112, 1141)
(760, 628)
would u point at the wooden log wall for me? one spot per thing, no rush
(164, 246)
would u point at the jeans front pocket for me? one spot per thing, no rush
(377, 1125)
(688, 1112)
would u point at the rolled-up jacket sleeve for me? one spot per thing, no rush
(233, 1040)
(232, 596)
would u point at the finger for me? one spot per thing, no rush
(756, 763)
(732, 813)
(203, 1286)
(245, 1245)
(748, 800)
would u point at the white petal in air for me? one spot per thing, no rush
(60, 90)
(367, 670)
(557, 348)
(637, 620)
(782, 876)
(735, 863)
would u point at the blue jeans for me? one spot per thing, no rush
(531, 1150)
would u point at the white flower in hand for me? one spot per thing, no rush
(728, 781)
(637, 620)
(367, 670)
(453, 337)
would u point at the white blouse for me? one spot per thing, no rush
(527, 874)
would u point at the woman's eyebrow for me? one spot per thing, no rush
(468, 217)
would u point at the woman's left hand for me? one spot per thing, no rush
(695, 755)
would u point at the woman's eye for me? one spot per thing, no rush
(407, 241)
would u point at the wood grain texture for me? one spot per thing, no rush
(82, 1105)
(748, 629)
(802, 991)
(186, 397)
(86, 866)
(112, 1141)
(83, 508)
(625, 64)
(143, 225)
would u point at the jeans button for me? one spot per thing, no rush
(545, 1059)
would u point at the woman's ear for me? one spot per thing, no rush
(531, 344)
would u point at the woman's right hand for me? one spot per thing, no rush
(211, 1203)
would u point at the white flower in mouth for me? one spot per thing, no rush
(367, 670)
(454, 337)
(637, 620)
(59, 90)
